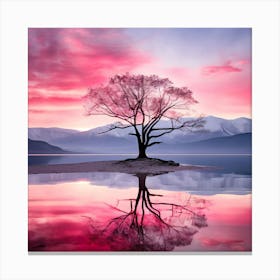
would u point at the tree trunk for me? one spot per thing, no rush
(141, 180)
(142, 151)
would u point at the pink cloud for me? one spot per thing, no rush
(243, 62)
(53, 100)
(218, 69)
(63, 63)
(63, 59)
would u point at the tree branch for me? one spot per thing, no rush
(113, 127)
(153, 143)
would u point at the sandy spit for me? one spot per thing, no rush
(148, 166)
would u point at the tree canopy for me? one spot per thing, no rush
(140, 102)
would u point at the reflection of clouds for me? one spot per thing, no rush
(60, 234)
(68, 215)
(224, 244)
(109, 179)
(199, 182)
(202, 182)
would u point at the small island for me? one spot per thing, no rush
(149, 166)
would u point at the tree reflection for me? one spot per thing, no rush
(150, 224)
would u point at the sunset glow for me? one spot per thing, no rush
(64, 62)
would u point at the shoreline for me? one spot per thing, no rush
(147, 166)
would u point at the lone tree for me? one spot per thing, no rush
(140, 102)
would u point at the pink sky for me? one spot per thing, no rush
(63, 63)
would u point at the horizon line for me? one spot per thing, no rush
(88, 129)
(137, 154)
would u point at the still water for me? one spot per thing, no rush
(192, 210)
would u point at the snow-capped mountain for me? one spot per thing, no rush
(104, 140)
(229, 127)
(213, 127)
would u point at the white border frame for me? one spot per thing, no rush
(262, 16)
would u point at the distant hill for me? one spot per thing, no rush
(49, 134)
(41, 147)
(179, 141)
(236, 144)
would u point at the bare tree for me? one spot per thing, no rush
(140, 102)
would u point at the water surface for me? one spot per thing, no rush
(241, 164)
(193, 210)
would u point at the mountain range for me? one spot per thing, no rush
(217, 136)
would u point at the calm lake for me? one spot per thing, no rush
(193, 210)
